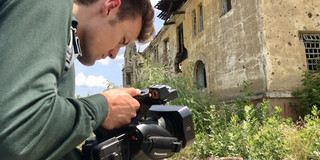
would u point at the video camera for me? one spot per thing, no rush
(157, 132)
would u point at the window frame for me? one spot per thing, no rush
(311, 43)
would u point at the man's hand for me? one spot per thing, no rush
(122, 107)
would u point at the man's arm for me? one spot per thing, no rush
(36, 121)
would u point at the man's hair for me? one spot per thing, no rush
(130, 9)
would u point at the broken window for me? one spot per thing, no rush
(201, 74)
(226, 6)
(182, 51)
(200, 18)
(194, 22)
(312, 48)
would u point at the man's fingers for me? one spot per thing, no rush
(131, 91)
(122, 106)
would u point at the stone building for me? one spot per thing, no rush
(268, 41)
(132, 61)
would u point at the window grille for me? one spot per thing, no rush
(312, 48)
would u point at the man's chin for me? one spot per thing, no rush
(86, 62)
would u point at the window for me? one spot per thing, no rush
(201, 74)
(180, 38)
(182, 51)
(129, 56)
(194, 22)
(166, 51)
(200, 18)
(312, 48)
(128, 79)
(156, 54)
(226, 6)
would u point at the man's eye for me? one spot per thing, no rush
(123, 41)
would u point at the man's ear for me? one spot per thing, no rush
(108, 5)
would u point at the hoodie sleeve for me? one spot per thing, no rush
(36, 122)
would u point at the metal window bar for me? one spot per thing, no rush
(312, 48)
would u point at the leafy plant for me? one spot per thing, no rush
(310, 134)
(310, 94)
(190, 94)
(238, 129)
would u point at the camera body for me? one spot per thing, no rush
(164, 131)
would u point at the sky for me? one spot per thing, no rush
(94, 79)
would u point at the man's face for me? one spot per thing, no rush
(104, 38)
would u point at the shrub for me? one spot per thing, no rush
(190, 94)
(310, 134)
(310, 94)
(249, 138)
(238, 129)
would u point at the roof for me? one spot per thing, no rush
(168, 8)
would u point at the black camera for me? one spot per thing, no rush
(157, 132)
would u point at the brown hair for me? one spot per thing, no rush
(130, 9)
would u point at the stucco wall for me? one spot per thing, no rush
(256, 40)
(283, 21)
(230, 46)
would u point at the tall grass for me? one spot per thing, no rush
(238, 129)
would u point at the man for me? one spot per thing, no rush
(39, 118)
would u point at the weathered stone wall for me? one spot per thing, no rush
(128, 63)
(256, 40)
(155, 50)
(239, 46)
(284, 52)
(133, 60)
(230, 46)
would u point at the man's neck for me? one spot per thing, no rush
(86, 14)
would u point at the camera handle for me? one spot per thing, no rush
(163, 144)
(143, 106)
(155, 95)
(145, 103)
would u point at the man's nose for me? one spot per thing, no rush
(113, 53)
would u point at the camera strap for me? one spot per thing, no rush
(73, 51)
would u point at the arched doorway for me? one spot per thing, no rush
(201, 74)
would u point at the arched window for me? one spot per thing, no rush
(201, 74)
